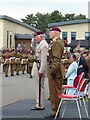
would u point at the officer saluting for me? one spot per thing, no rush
(39, 68)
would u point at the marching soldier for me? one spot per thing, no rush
(55, 69)
(6, 62)
(30, 63)
(17, 62)
(12, 62)
(23, 62)
(39, 69)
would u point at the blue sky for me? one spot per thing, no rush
(20, 8)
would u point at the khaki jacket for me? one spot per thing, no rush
(55, 54)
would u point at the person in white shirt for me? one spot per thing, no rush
(71, 73)
(39, 68)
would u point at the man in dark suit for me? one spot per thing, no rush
(82, 65)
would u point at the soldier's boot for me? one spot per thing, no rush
(17, 72)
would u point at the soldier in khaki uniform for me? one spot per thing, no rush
(30, 63)
(12, 62)
(55, 69)
(6, 56)
(23, 62)
(17, 62)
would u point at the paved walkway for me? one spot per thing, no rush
(17, 96)
(18, 87)
(21, 109)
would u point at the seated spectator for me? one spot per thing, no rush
(71, 73)
(82, 65)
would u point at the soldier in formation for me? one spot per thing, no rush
(30, 64)
(6, 61)
(17, 61)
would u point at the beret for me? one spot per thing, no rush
(55, 29)
(7, 51)
(38, 33)
(85, 52)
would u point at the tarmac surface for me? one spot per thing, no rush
(17, 96)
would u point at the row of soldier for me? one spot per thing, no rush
(18, 61)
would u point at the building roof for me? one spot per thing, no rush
(18, 22)
(83, 43)
(69, 22)
(23, 36)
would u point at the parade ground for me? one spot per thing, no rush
(17, 96)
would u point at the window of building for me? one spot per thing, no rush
(87, 35)
(10, 39)
(7, 38)
(73, 35)
(64, 35)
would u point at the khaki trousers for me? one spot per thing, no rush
(55, 88)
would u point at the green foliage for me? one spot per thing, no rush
(41, 21)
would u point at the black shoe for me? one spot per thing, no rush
(49, 98)
(51, 116)
(31, 77)
(12, 75)
(36, 108)
(6, 75)
(17, 74)
(22, 73)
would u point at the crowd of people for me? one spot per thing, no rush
(48, 60)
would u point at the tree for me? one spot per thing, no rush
(80, 16)
(69, 17)
(56, 16)
(41, 21)
(29, 19)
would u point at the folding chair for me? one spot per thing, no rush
(66, 97)
(75, 83)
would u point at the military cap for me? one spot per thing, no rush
(85, 52)
(55, 29)
(38, 33)
(7, 50)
